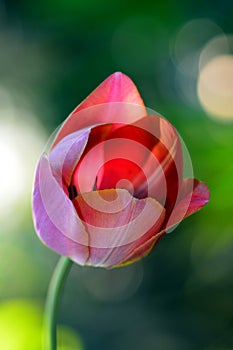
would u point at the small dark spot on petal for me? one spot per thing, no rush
(72, 192)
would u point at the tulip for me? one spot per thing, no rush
(111, 184)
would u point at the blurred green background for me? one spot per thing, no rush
(52, 55)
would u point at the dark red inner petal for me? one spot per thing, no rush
(119, 168)
(120, 173)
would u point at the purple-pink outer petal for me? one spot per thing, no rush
(65, 155)
(55, 218)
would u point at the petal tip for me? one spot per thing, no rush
(118, 77)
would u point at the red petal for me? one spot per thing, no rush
(147, 154)
(117, 88)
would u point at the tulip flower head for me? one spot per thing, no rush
(112, 184)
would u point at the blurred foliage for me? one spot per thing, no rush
(52, 54)
(21, 327)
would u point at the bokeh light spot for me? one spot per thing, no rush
(185, 50)
(215, 87)
(219, 45)
(188, 43)
(21, 140)
(12, 173)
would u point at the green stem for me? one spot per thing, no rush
(59, 276)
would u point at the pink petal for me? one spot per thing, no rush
(200, 197)
(118, 87)
(193, 200)
(55, 218)
(143, 249)
(115, 100)
(117, 223)
(193, 196)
